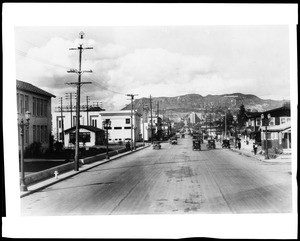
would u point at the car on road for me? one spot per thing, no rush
(226, 144)
(211, 144)
(156, 145)
(197, 144)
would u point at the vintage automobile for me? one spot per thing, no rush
(173, 141)
(156, 145)
(226, 144)
(197, 144)
(211, 144)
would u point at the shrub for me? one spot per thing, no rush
(58, 146)
(34, 149)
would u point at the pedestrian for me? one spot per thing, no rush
(254, 148)
(239, 144)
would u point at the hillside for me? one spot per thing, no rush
(180, 106)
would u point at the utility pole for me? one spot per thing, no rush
(132, 137)
(70, 97)
(144, 123)
(158, 124)
(151, 120)
(79, 72)
(62, 120)
(210, 113)
(87, 110)
(225, 125)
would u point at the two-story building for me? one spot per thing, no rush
(278, 129)
(38, 103)
(121, 126)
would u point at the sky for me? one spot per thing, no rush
(156, 60)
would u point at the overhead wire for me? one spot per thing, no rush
(94, 82)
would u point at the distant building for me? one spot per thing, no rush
(193, 117)
(120, 129)
(157, 128)
(38, 102)
(88, 136)
(65, 118)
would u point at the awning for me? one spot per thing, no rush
(287, 130)
(276, 128)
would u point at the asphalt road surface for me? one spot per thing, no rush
(174, 179)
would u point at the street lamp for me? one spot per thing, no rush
(107, 124)
(234, 122)
(22, 126)
(266, 122)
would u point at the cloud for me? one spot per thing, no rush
(157, 66)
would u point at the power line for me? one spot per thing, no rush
(24, 54)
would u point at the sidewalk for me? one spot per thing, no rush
(247, 150)
(48, 182)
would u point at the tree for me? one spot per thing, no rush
(241, 117)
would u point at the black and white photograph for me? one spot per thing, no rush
(150, 120)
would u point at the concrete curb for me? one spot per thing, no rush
(48, 182)
(262, 158)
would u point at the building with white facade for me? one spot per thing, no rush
(120, 129)
(64, 118)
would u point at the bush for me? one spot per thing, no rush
(58, 146)
(34, 149)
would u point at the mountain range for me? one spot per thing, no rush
(179, 107)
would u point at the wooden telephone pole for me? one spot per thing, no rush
(131, 116)
(79, 72)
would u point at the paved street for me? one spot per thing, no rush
(174, 179)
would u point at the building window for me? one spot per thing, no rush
(26, 135)
(18, 106)
(258, 122)
(94, 123)
(34, 132)
(46, 134)
(45, 108)
(127, 121)
(38, 111)
(22, 104)
(272, 121)
(288, 119)
(282, 120)
(59, 123)
(42, 107)
(118, 128)
(26, 103)
(38, 133)
(127, 127)
(34, 106)
(42, 134)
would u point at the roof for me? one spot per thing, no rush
(277, 112)
(31, 88)
(119, 113)
(90, 128)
